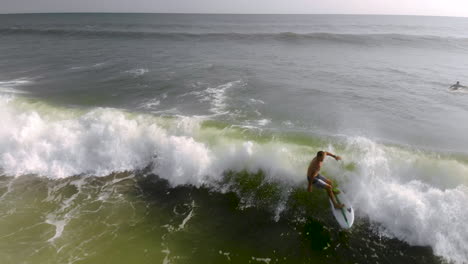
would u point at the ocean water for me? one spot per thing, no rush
(157, 138)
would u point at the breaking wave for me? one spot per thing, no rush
(416, 196)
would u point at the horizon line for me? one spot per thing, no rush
(227, 13)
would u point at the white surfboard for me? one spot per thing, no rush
(345, 215)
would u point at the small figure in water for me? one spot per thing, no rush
(457, 86)
(315, 179)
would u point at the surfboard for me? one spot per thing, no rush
(345, 215)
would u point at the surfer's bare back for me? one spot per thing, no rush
(315, 179)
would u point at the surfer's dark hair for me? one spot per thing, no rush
(320, 154)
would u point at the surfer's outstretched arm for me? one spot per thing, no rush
(333, 155)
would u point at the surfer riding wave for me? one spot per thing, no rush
(315, 179)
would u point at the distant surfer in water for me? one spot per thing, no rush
(315, 179)
(457, 86)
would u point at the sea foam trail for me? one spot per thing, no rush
(10, 86)
(414, 196)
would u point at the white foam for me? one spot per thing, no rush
(226, 254)
(67, 210)
(256, 101)
(411, 204)
(138, 72)
(464, 91)
(263, 122)
(59, 226)
(151, 103)
(9, 87)
(287, 123)
(166, 259)
(103, 141)
(255, 124)
(217, 96)
(265, 260)
(182, 225)
(9, 188)
(96, 65)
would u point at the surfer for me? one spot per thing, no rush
(315, 179)
(457, 86)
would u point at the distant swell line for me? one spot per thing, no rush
(283, 36)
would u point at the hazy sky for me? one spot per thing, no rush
(405, 7)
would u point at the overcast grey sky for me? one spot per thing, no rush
(403, 7)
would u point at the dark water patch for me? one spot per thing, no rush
(253, 189)
(138, 216)
(305, 233)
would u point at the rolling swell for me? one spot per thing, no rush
(291, 37)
